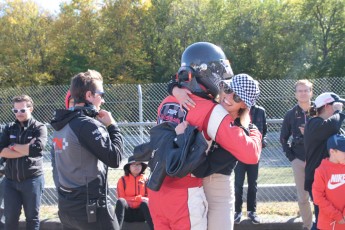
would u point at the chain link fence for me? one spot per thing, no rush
(134, 107)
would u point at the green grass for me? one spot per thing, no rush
(272, 175)
(113, 177)
(278, 175)
(276, 208)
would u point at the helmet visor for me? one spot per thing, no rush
(227, 73)
(222, 69)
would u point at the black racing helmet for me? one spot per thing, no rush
(206, 63)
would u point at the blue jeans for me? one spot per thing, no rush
(28, 194)
(252, 177)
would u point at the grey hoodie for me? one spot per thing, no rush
(84, 148)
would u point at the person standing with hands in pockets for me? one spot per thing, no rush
(293, 125)
(258, 118)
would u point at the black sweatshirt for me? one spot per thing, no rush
(316, 133)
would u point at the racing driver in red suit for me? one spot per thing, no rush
(180, 204)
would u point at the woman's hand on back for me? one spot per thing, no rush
(182, 95)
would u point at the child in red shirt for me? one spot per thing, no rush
(329, 186)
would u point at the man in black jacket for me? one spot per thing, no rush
(22, 144)
(86, 141)
(318, 129)
(293, 126)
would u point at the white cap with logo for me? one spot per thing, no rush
(326, 98)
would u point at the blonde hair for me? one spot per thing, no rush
(305, 82)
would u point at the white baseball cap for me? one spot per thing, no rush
(326, 98)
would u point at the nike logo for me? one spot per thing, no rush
(334, 186)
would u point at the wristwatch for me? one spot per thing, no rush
(12, 146)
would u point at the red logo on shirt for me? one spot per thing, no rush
(60, 143)
(172, 112)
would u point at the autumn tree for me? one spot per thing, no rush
(23, 44)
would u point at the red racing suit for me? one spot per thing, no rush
(180, 203)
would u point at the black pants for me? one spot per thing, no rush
(316, 211)
(2, 216)
(73, 215)
(125, 213)
(104, 222)
(252, 177)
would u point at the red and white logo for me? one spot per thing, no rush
(336, 181)
(60, 143)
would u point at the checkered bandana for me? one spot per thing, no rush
(246, 88)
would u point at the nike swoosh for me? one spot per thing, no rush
(334, 186)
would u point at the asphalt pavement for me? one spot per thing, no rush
(267, 223)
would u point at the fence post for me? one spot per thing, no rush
(141, 129)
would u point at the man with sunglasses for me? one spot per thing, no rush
(22, 144)
(86, 141)
(318, 129)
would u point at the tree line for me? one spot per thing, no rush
(141, 41)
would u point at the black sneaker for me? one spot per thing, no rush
(253, 217)
(237, 218)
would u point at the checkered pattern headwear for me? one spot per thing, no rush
(246, 88)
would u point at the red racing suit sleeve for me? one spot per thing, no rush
(220, 127)
(319, 196)
(216, 124)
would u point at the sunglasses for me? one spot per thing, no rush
(20, 110)
(100, 93)
(226, 89)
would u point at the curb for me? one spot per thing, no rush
(282, 223)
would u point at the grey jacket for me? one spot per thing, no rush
(84, 148)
